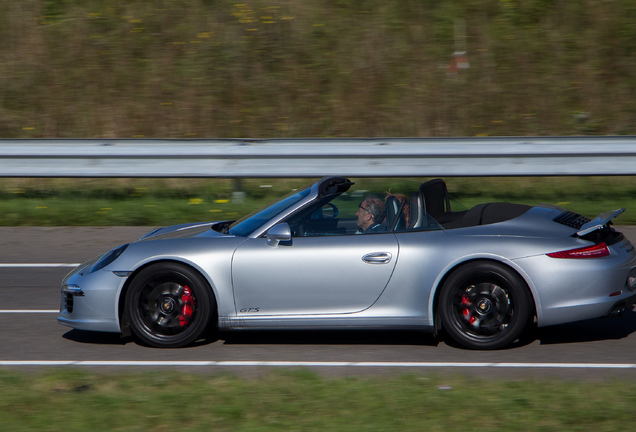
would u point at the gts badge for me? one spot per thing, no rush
(250, 310)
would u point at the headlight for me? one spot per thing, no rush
(108, 258)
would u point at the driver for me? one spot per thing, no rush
(370, 216)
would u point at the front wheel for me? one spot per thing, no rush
(484, 305)
(169, 305)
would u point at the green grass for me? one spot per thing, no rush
(112, 202)
(73, 400)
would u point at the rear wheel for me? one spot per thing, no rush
(484, 305)
(169, 305)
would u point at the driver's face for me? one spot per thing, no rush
(364, 216)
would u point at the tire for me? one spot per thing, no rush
(484, 305)
(169, 305)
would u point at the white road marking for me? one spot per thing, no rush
(318, 364)
(29, 311)
(37, 265)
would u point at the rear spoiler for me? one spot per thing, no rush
(599, 222)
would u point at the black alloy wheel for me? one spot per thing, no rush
(169, 305)
(485, 305)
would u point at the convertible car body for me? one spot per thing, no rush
(482, 275)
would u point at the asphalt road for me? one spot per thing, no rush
(32, 339)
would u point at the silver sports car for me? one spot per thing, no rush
(334, 256)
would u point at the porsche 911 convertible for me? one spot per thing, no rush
(333, 256)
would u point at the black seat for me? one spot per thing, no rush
(488, 213)
(395, 220)
(435, 197)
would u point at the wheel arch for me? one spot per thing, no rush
(437, 327)
(121, 309)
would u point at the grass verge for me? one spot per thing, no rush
(73, 400)
(152, 202)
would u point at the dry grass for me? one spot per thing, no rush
(288, 68)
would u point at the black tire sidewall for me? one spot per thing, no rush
(206, 306)
(486, 271)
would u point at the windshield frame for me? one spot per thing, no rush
(249, 224)
(277, 212)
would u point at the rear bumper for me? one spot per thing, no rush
(621, 307)
(569, 290)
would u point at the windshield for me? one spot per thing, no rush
(247, 224)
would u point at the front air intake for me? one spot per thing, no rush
(68, 302)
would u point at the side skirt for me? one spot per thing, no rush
(322, 323)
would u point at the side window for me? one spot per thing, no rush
(370, 207)
(351, 213)
(331, 216)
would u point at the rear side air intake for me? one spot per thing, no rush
(572, 219)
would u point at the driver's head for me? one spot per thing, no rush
(370, 212)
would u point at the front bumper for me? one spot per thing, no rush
(89, 301)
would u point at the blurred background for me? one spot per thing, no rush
(316, 68)
(311, 68)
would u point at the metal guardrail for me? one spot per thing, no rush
(355, 157)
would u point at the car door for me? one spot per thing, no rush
(312, 275)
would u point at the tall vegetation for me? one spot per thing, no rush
(328, 68)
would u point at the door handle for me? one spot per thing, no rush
(377, 258)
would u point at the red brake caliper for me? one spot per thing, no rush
(188, 306)
(466, 310)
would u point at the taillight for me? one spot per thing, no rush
(596, 251)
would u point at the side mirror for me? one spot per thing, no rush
(279, 233)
